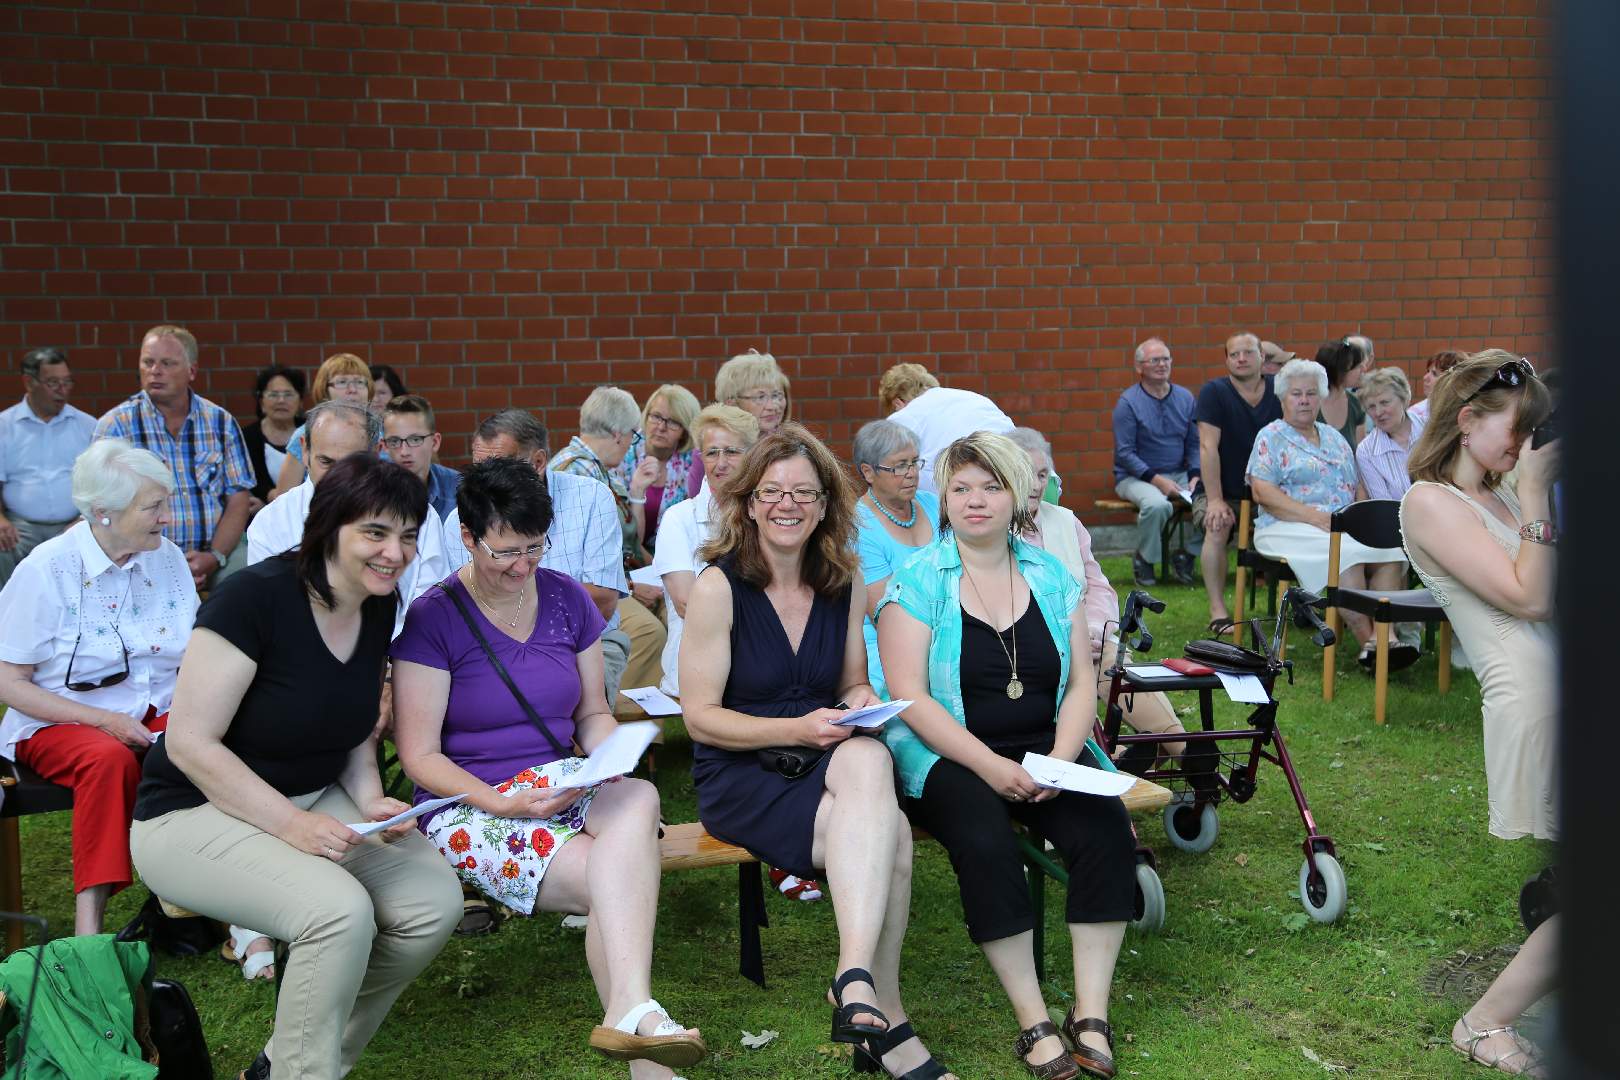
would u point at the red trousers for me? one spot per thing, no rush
(103, 774)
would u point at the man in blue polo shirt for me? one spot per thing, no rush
(40, 438)
(1155, 457)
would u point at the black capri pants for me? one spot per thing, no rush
(1092, 835)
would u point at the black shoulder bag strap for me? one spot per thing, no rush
(500, 669)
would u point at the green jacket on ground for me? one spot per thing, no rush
(83, 1009)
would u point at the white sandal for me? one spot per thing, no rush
(236, 948)
(1522, 1047)
(669, 1045)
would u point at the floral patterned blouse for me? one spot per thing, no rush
(1320, 475)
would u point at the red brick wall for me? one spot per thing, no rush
(514, 202)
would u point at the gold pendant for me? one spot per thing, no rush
(1015, 689)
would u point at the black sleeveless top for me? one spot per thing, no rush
(1010, 727)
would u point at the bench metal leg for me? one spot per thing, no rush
(750, 918)
(11, 880)
(1039, 867)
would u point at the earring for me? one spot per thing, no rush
(1465, 438)
(106, 521)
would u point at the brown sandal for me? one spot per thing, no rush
(1061, 1067)
(1092, 1062)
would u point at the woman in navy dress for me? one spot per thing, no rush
(772, 646)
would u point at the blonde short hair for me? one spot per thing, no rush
(746, 372)
(682, 406)
(336, 366)
(1385, 380)
(903, 382)
(1001, 458)
(187, 340)
(740, 422)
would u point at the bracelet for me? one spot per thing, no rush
(635, 501)
(1539, 531)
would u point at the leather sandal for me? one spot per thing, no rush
(1061, 1067)
(869, 1058)
(1532, 1064)
(844, 1028)
(1092, 1062)
(669, 1045)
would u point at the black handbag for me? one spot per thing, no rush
(791, 761)
(190, 936)
(1225, 655)
(176, 1033)
(500, 669)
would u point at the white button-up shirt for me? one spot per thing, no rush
(69, 592)
(36, 461)
(279, 527)
(681, 531)
(940, 415)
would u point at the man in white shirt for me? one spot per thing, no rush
(587, 543)
(723, 433)
(40, 438)
(332, 431)
(939, 415)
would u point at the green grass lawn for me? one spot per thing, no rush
(1236, 983)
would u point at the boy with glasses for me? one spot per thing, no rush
(409, 437)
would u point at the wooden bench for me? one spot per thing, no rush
(1178, 520)
(688, 846)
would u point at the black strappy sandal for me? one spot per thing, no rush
(844, 1028)
(869, 1058)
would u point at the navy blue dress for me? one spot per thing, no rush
(740, 801)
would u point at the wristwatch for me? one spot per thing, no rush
(218, 557)
(1539, 531)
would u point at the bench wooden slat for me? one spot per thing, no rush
(689, 847)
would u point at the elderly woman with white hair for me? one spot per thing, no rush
(893, 520)
(609, 421)
(1300, 471)
(92, 627)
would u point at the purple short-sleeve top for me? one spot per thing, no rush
(485, 730)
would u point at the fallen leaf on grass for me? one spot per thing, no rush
(1241, 859)
(754, 1042)
(1296, 922)
(1311, 1055)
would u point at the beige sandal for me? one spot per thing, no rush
(1522, 1047)
(669, 1045)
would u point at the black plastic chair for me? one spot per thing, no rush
(1252, 565)
(1377, 523)
(25, 793)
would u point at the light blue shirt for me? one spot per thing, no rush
(881, 555)
(928, 586)
(36, 461)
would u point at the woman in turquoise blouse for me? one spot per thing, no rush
(986, 633)
(893, 520)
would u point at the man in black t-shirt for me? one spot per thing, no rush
(1231, 411)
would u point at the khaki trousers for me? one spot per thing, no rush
(359, 930)
(647, 636)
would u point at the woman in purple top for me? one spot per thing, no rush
(460, 728)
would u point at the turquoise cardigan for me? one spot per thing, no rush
(928, 586)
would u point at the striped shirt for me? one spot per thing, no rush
(209, 460)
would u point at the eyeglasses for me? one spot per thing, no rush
(280, 395)
(341, 383)
(664, 421)
(1510, 376)
(770, 493)
(903, 467)
(731, 453)
(394, 442)
(63, 383)
(761, 397)
(110, 680)
(1152, 360)
(533, 551)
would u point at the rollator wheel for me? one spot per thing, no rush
(1190, 827)
(1149, 900)
(1326, 901)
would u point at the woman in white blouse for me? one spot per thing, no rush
(92, 627)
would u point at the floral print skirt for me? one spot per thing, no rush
(506, 858)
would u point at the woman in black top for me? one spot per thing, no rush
(244, 810)
(278, 402)
(1023, 684)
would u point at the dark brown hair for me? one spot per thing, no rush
(830, 561)
(359, 485)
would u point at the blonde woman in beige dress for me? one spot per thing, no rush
(1487, 553)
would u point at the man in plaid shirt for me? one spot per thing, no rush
(202, 444)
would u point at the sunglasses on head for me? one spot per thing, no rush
(1510, 376)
